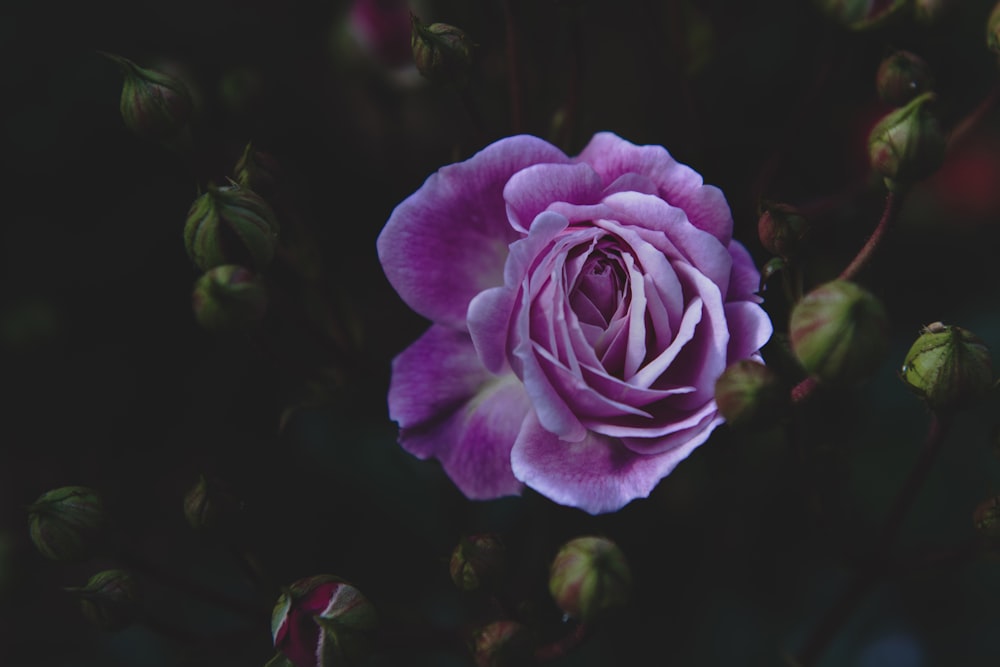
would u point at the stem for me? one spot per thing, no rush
(871, 571)
(893, 202)
(967, 124)
(563, 646)
(513, 78)
(803, 390)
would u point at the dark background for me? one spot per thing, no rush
(109, 382)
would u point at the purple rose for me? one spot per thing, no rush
(582, 310)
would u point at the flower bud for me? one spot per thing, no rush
(861, 14)
(154, 105)
(908, 144)
(781, 229)
(230, 225)
(589, 578)
(993, 30)
(110, 600)
(839, 332)
(256, 171)
(930, 11)
(209, 506)
(948, 367)
(901, 77)
(986, 519)
(228, 298)
(502, 644)
(749, 394)
(477, 562)
(322, 621)
(441, 52)
(65, 522)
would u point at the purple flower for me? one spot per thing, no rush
(582, 310)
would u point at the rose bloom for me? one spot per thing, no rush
(582, 311)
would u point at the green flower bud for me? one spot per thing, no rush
(901, 77)
(948, 367)
(781, 229)
(110, 600)
(908, 144)
(66, 522)
(477, 562)
(749, 394)
(256, 171)
(502, 644)
(230, 225)
(441, 52)
(862, 14)
(209, 506)
(228, 298)
(590, 578)
(322, 621)
(993, 30)
(839, 332)
(986, 519)
(153, 105)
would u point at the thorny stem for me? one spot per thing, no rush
(866, 576)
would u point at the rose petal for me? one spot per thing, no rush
(750, 329)
(744, 281)
(448, 241)
(705, 206)
(597, 474)
(649, 214)
(531, 190)
(450, 408)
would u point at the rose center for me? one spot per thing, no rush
(599, 289)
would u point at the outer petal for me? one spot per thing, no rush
(448, 241)
(679, 185)
(745, 279)
(750, 328)
(451, 408)
(597, 474)
(531, 190)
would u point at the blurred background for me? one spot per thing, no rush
(110, 383)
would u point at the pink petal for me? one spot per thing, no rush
(451, 408)
(531, 190)
(448, 241)
(597, 474)
(705, 206)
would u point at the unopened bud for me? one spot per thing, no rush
(210, 506)
(110, 600)
(993, 30)
(948, 366)
(908, 144)
(901, 77)
(861, 14)
(839, 332)
(441, 52)
(930, 11)
(590, 578)
(154, 105)
(781, 229)
(477, 562)
(230, 225)
(749, 394)
(502, 644)
(66, 522)
(322, 621)
(986, 519)
(228, 298)
(256, 171)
